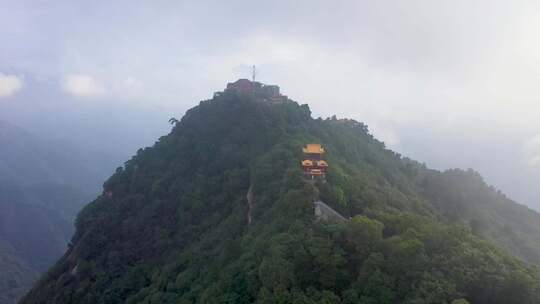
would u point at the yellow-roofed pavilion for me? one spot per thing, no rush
(313, 164)
(313, 149)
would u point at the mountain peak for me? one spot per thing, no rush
(220, 211)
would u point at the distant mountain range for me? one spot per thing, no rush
(26, 159)
(43, 184)
(16, 277)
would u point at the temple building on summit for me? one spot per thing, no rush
(254, 88)
(313, 164)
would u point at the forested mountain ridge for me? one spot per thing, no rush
(171, 225)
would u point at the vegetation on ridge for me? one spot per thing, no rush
(171, 224)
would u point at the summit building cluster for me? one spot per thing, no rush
(256, 89)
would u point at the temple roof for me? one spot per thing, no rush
(313, 149)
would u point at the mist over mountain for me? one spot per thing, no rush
(43, 185)
(428, 78)
(504, 159)
(33, 234)
(103, 126)
(219, 211)
(26, 159)
(436, 201)
(16, 277)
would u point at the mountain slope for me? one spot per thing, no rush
(171, 226)
(463, 196)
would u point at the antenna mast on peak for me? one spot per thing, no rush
(253, 73)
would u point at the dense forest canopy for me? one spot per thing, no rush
(171, 225)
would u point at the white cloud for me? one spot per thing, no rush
(82, 85)
(9, 85)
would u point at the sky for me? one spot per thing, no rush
(448, 83)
